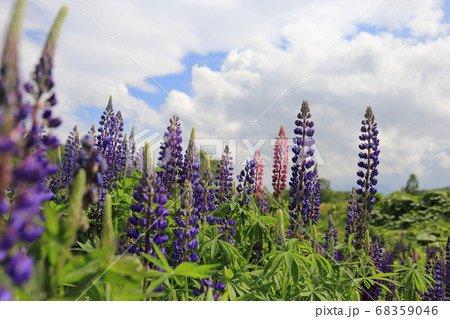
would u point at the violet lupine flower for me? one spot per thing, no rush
(139, 159)
(170, 157)
(130, 152)
(302, 175)
(149, 212)
(91, 160)
(246, 182)
(5, 294)
(206, 285)
(331, 240)
(109, 143)
(224, 178)
(280, 163)
(205, 194)
(447, 269)
(367, 175)
(376, 255)
(388, 268)
(314, 208)
(433, 267)
(185, 243)
(191, 164)
(27, 176)
(68, 165)
(260, 194)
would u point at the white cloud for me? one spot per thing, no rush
(405, 79)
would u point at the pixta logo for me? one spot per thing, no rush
(241, 149)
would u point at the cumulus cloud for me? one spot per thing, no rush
(340, 55)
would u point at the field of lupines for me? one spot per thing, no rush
(102, 222)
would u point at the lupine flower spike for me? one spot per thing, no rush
(280, 163)
(170, 157)
(261, 197)
(331, 240)
(302, 174)
(367, 175)
(376, 255)
(224, 178)
(26, 177)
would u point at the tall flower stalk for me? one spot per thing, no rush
(224, 178)
(260, 194)
(302, 174)
(24, 168)
(367, 176)
(170, 157)
(280, 163)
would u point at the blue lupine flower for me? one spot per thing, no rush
(302, 175)
(376, 255)
(224, 178)
(331, 233)
(170, 157)
(246, 184)
(367, 175)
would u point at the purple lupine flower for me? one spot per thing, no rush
(191, 164)
(68, 165)
(260, 194)
(438, 277)
(388, 268)
(314, 208)
(170, 157)
(280, 163)
(139, 159)
(331, 233)
(20, 268)
(246, 180)
(206, 285)
(352, 220)
(91, 160)
(185, 243)
(302, 173)
(376, 255)
(447, 269)
(129, 150)
(224, 178)
(5, 294)
(147, 221)
(109, 143)
(433, 267)
(26, 176)
(367, 175)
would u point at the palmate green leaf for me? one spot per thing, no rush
(322, 264)
(73, 275)
(158, 262)
(273, 265)
(192, 270)
(158, 282)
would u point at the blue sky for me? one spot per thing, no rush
(225, 62)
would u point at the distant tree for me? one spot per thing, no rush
(412, 185)
(326, 194)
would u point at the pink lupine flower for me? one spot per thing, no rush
(280, 163)
(259, 185)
